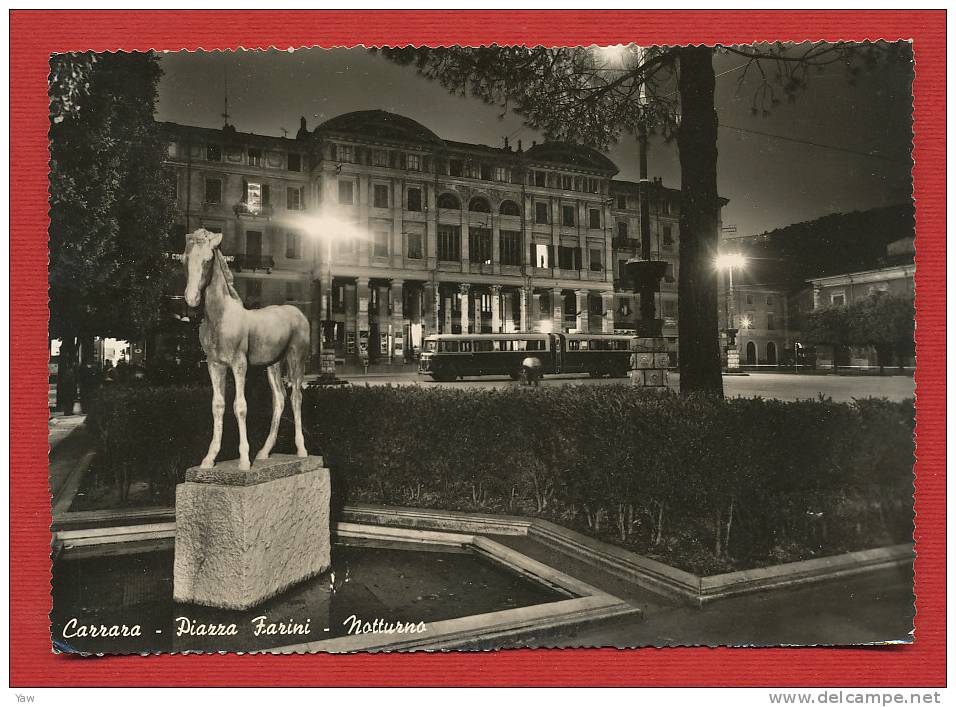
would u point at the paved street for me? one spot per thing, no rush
(782, 386)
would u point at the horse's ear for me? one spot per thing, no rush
(214, 240)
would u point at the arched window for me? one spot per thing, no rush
(751, 353)
(509, 208)
(771, 353)
(448, 201)
(480, 205)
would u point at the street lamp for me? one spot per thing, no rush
(728, 262)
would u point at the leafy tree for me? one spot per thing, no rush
(886, 323)
(829, 326)
(110, 203)
(581, 94)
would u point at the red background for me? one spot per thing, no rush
(34, 35)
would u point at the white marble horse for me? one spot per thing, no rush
(234, 337)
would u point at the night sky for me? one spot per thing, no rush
(770, 182)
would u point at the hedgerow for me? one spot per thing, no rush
(708, 484)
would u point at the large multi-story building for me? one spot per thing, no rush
(383, 233)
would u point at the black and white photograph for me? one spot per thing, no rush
(384, 349)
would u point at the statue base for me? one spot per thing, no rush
(245, 536)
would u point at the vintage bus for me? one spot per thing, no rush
(447, 357)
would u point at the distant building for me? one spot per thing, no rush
(762, 316)
(383, 233)
(843, 290)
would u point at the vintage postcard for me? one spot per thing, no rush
(417, 349)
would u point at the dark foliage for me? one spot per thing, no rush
(708, 484)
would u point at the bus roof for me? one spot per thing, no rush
(487, 337)
(522, 335)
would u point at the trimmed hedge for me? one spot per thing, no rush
(706, 484)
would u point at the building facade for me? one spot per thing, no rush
(383, 233)
(762, 316)
(844, 290)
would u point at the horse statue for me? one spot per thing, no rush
(234, 337)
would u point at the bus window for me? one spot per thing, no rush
(449, 346)
(536, 345)
(484, 345)
(519, 345)
(574, 346)
(496, 345)
(620, 346)
(466, 346)
(431, 346)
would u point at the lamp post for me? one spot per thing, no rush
(728, 262)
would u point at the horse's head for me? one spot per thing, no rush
(198, 259)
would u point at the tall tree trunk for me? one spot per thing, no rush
(697, 286)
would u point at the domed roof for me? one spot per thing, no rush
(570, 153)
(382, 125)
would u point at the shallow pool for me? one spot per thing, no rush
(123, 585)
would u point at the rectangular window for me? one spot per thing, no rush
(293, 198)
(540, 178)
(509, 245)
(380, 249)
(749, 299)
(213, 191)
(569, 258)
(414, 199)
(455, 168)
(622, 229)
(449, 243)
(472, 169)
(668, 238)
(542, 255)
(771, 324)
(345, 246)
(295, 162)
(338, 298)
(597, 263)
(380, 158)
(213, 153)
(593, 185)
(838, 299)
(255, 157)
(380, 196)
(669, 308)
(414, 162)
(479, 245)
(567, 215)
(594, 218)
(567, 182)
(595, 305)
(486, 172)
(293, 245)
(346, 188)
(621, 201)
(415, 246)
(346, 153)
(541, 212)
(501, 174)
(253, 196)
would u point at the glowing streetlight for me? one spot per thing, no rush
(729, 261)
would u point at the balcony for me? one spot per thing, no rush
(243, 261)
(621, 242)
(243, 209)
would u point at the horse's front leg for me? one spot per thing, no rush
(217, 374)
(239, 407)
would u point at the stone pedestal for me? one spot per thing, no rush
(245, 536)
(649, 363)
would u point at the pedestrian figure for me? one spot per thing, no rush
(531, 371)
